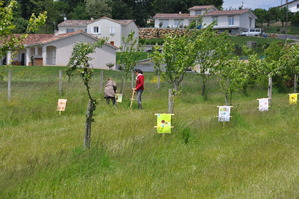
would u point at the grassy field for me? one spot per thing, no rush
(256, 155)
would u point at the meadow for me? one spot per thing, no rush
(256, 155)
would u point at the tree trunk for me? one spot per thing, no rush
(101, 81)
(122, 85)
(158, 85)
(270, 88)
(295, 83)
(171, 96)
(203, 90)
(231, 98)
(9, 85)
(132, 80)
(89, 120)
(60, 83)
(226, 98)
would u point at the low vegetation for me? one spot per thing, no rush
(42, 153)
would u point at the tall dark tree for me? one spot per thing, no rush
(121, 10)
(261, 15)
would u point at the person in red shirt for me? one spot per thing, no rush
(139, 86)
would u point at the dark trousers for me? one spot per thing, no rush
(110, 98)
(139, 100)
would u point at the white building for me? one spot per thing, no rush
(104, 27)
(51, 50)
(233, 21)
(293, 6)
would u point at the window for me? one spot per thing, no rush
(112, 30)
(198, 12)
(96, 30)
(250, 22)
(216, 20)
(231, 21)
(297, 5)
(69, 30)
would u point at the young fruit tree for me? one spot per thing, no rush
(177, 56)
(11, 42)
(210, 48)
(271, 66)
(79, 62)
(290, 63)
(233, 74)
(131, 52)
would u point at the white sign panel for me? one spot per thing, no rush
(263, 104)
(224, 113)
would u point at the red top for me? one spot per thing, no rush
(139, 82)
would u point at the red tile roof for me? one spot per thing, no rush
(227, 12)
(75, 23)
(202, 7)
(32, 38)
(213, 13)
(172, 15)
(122, 22)
(86, 22)
(60, 36)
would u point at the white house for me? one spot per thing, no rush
(104, 27)
(51, 50)
(233, 21)
(293, 6)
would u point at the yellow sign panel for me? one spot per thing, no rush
(119, 97)
(164, 123)
(293, 98)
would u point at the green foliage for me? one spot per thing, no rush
(158, 41)
(79, 61)
(10, 41)
(130, 54)
(210, 48)
(98, 8)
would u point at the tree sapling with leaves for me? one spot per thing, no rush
(79, 62)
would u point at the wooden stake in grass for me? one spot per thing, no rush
(9, 85)
(132, 98)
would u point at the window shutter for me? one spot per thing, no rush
(100, 30)
(91, 30)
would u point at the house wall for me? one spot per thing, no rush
(62, 30)
(246, 22)
(103, 56)
(64, 48)
(170, 23)
(105, 25)
(128, 29)
(293, 6)
(222, 21)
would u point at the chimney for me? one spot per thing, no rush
(91, 18)
(180, 12)
(64, 18)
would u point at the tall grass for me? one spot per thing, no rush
(256, 155)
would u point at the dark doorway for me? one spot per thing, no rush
(23, 59)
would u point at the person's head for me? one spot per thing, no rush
(138, 71)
